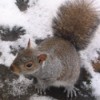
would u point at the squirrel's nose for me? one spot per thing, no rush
(12, 68)
(15, 69)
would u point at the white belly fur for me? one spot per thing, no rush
(60, 83)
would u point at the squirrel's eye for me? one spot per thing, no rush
(29, 65)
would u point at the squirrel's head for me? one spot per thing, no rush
(28, 61)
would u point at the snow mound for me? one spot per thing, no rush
(36, 97)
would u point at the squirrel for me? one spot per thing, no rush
(56, 60)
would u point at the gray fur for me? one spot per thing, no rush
(56, 61)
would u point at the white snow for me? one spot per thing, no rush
(19, 86)
(37, 22)
(90, 54)
(36, 97)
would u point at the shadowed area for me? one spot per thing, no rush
(7, 34)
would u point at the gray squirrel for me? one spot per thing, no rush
(56, 61)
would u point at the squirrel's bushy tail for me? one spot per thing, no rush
(76, 22)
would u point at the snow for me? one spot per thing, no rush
(36, 97)
(37, 22)
(19, 86)
(90, 54)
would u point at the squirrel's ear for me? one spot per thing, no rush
(42, 57)
(29, 44)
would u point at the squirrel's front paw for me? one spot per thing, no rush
(40, 90)
(71, 92)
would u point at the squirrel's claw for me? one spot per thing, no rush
(71, 92)
(40, 91)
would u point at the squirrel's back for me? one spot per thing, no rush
(76, 21)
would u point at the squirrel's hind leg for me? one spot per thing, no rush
(71, 91)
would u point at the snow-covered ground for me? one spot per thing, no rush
(37, 23)
(36, 20)
(36, 97)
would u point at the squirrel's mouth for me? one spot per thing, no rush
(31, 77)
